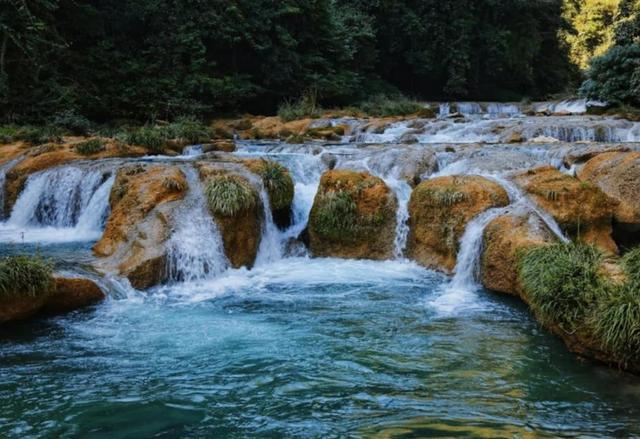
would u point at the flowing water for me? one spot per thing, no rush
(297, 347)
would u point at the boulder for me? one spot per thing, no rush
(578, 155)
(353, 217)
(582, 210)
(222, 145)
(234, 203)
(142, 200)
(65, 295)
(503, 239)
(617, 174)
(439, 211)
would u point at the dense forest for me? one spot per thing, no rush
(147, 59)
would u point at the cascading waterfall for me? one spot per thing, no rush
(195, 250)
(68, 203)
(271, 244)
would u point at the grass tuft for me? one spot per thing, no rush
(306, 106)
(384, 106)
(278, 183)
(616, 323)
(89, 147)
(173, 184)
(336, 215)
(445, 197)
(631, 265)
(25, 276)
(155, 139)
(228, 195)
(562, 281)
(190, 130)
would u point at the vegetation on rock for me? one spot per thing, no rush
(566, 287)
(25, 276)
(91, 146)
(228, 195)
(276, 180)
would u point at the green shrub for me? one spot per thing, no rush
(616, 322)
(382, 106)
(25, 276)
(336, 216)
(39, 135)
(190, 130)
(155, 139)
(562, 282)
(228, 195)
(306, 106)
(278, 183)
(73, 122)
(89, 147)
(615, 76)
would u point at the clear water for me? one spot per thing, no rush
(304, 348)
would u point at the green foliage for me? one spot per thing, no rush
(229, 195)
(615, 76)
(89, 147)
(191, 130)
(8, 133)
(305, 106)
(278, 182)
(562, 282)
(25, 276)
(382, 106)
(444, 197)
(616, 322)
(155, 139)
(336, 216)
(631, 264)
(39, 135)
(73, 122)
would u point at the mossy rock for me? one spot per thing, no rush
(237, 209)
(280, 188)
(439, 211)
(353, 216)
(582, 210)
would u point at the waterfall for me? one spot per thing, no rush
(195, 250)
(64, 204)
(272, 241)
(402, 191)
(56, 197)
(444, 109)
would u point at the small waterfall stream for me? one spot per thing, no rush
(195, 251)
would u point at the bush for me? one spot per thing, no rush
(562, 282)
(155, 139)
(306, 106)
(190, 130)
(615, 76)
(89, 147)
(73, 122)
(382, 106)
(40, 135)
(278, 183)
(25, 276)
(8, 134)
(228, 195)
(616, 323)
(336, 216)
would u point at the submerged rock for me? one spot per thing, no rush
(503, 239)
(618, 175)
(65, 295)
(439, 211)
(142, 202)
(581, 209)
(353, 216)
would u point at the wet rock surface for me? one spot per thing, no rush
(439, 211)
